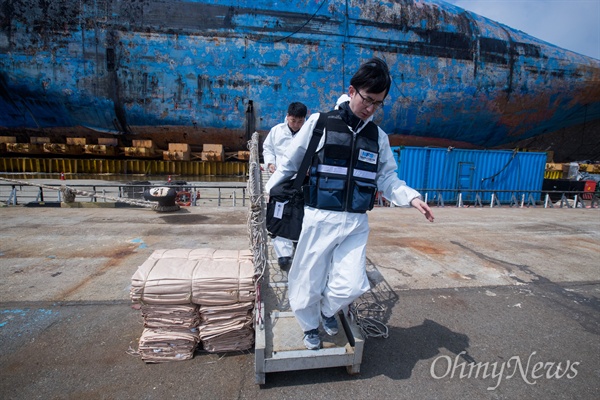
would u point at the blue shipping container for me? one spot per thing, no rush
(447, 172)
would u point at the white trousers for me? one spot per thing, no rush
(328, 272)
(283, 247)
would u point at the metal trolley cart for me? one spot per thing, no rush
(279, 345)
(278, 337)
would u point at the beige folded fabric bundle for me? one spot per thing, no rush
(199, 276)
(158, 345)
(172, 284)
(158, 316)
(226, 328)
(239, 340)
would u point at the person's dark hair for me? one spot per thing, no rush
(297, 110)
(373, 76)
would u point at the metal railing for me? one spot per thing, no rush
(512, 198)
(214, 194)
(235, 194)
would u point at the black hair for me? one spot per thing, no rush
(373, 76)
(297, 110)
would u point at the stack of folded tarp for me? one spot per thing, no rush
(170, 332)
(162, 345)
(227, 327)
(226, 278)
(159, 316)
(171, 283)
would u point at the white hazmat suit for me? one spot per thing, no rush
(328, 272)
(274, 146)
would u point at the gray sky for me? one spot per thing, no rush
(571, 24)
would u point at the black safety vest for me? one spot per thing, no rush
(343, 173)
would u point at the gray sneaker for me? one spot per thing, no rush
(312, 341)
(330, 325)
(284, 263)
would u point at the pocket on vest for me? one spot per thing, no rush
(363, 196)
(330, 193)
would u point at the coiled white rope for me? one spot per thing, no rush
(370, 326)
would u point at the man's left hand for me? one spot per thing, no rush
(423, 208)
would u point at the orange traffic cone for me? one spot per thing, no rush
(62, 176)
(169, 180)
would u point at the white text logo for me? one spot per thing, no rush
(531, 372)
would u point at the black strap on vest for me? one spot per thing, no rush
(312, 147)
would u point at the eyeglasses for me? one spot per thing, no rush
(370, 102)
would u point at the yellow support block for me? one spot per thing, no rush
(553, 175)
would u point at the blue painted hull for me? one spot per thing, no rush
(209, 68)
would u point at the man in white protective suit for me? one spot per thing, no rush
(352, 162)
(274, 147)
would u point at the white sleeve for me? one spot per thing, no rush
(269, 147)
(290, 162)
(394, 189)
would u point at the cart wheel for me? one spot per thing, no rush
(353, 369)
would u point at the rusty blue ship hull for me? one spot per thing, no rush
(216, 71)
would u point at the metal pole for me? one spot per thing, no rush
(523, 200)
(40, 196)
(13, 196)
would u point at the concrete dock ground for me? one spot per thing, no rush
(485, 303)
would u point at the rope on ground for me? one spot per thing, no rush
(367, 316)
(70, 193)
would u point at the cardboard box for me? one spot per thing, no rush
(554, 167)
(211, 156)
(100, 149)
(217, 148)
(139, 152)
(54, 147)
(28, 148)
(39, 140)
(108, 141)
(8, 139)
(182, 147)
(212, 152)
(76, 141)
(593, 168)
(243, 155)
(176, 155)
(142, 143)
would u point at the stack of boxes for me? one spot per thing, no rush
(141, 148)
(73, 146)
(177, 152)
(213, 152)
(105, 147)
